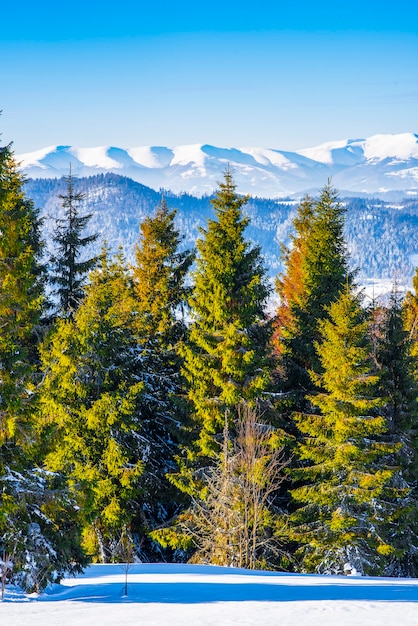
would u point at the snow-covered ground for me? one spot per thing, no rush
(161, 594)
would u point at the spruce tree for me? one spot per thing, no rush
(348, 489)
(316, 270)
(159, 279)
(89, 406)
(37, 529)
(21, 298)
(399, 391)
(292, 291)
(160, 293)
(225, 356)
(69, 268)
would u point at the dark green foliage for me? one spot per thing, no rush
(160, 296)
(39, 529)
(69, 269)
(159, 274)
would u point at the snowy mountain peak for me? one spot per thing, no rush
(380, 162)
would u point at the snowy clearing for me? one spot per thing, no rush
(178, 594)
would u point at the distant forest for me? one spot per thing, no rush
(380, 235)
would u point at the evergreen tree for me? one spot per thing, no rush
(69, 269)
(225, 357)
(21, 297)
(159, 279)
(160, 292)
(291, 288)
(37, 530)
(89, 406)
(349, 493)
(399, 391)
(316, 272)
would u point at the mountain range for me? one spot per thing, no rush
(376, 165)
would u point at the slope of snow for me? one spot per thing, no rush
(342, 153)
(51, 160)
(151, 156)
(401, 147)
(189, 155)
(179, 594)
(36, 158)
(99, 157)
(273, 158)
(357, 165)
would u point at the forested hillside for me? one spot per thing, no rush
(380, 235)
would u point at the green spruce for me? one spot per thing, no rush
(225, 357)
(69, 269)
(347, 480)
(316, 271)
(89, 406)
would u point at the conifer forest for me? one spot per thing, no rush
(155, 410)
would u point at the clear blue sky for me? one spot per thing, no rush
(274, 74)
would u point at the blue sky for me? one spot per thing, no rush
(265, 74)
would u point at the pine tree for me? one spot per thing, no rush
(225, 357)
(69, 269)
(89, 406)
(348, 485)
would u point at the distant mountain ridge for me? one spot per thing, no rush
(378, 164)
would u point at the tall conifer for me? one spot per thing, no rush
(225, 355)
(159, 278)
(349, 487)
(316, 270)
(160, 294)
(37, 530)
(399, 390)
(69, 268)
(89, 406)
(21, 297)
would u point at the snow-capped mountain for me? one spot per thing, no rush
(376, 164)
